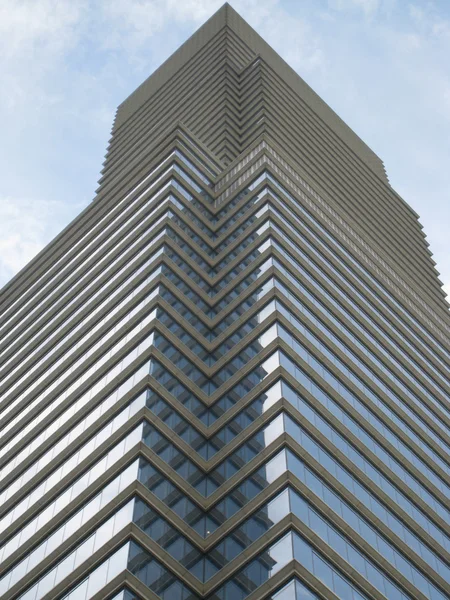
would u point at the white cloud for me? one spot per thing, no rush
(35, 36)
(66, 64)
(294, 39)
(446, 288)
(430, 21)
(130, 23)
(368, 7)
(26, 226)
(37, 25)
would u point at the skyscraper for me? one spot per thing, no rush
(228, 377)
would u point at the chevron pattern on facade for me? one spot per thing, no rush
(223, 381)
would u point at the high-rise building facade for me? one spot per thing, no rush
(228, 377)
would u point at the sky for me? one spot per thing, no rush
(65, 65)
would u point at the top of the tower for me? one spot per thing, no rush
(230, 90)
(227, 17)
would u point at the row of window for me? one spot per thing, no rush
(104, 230)
(419, 490)
(320, 272)
(210, 385)
(13, 422)
(207, 484)
(122, 363)
(336, 242)
(157, 577)
(297, 232)
(291, 463)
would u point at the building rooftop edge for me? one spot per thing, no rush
(227, 16)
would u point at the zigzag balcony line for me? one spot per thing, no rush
(228, 378)
(206, 566)
(292, 469)
(197, 438)
(275, 428)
